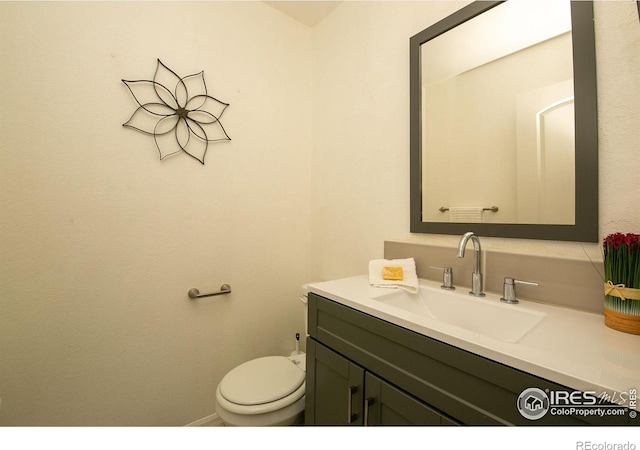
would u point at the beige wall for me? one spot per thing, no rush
(360, 160)
(100, 241)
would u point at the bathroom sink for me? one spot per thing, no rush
(485, 316)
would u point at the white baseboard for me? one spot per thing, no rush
(210, 421)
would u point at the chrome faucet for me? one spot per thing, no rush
(476, 278)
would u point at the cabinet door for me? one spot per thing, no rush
(334, 390)
(385, 404)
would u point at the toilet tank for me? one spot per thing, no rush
(304, 299)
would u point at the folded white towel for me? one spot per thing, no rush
(468, 214)
(409, 281)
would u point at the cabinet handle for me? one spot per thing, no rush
(367, 403)
(350, 416)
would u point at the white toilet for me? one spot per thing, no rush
(266, 391)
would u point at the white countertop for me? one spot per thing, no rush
(569, 347)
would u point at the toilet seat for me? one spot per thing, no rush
(261, 385)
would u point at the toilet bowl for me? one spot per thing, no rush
(266, 391)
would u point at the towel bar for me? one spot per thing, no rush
(492, 209)
(195, 293)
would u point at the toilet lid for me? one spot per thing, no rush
(261, 380)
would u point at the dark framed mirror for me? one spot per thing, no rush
(530, 173)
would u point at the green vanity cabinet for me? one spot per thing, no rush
(387, 405)
(338, 388)
(346, 394)
(361, 368)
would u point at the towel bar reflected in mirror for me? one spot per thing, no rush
(492, 209)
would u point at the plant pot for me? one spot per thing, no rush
(628, 323)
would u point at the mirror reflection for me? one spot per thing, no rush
(511, 90)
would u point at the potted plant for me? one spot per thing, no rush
(622, 282)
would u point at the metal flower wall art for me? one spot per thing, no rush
(178, 112)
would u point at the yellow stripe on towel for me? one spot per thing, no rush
(393, 273)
